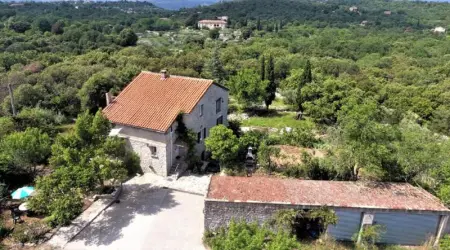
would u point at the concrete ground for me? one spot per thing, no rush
(197, 184)
(147, 217)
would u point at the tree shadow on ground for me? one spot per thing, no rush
(143, 199)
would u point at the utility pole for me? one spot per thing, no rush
(12, 99)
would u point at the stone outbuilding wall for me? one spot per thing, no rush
(402, 227)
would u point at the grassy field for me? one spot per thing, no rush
(275, 120)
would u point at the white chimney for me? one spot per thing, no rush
(109, 98)
(164, 74)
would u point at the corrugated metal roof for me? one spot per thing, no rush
(346, 194)
(152, 102)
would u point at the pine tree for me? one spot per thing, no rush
(263, 68)
(306, 78)
(271, 86)
(215, 67)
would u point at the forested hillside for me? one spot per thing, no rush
(332, 13)
(372, 84)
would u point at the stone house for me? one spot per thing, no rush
(145, 113)
(212, 24)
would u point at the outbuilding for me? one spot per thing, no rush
(410, 215)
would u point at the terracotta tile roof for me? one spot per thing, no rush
(151, 102)
(372, 195)
(213, 21)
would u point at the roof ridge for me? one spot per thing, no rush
(178, 76)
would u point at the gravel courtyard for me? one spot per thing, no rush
(148, 217)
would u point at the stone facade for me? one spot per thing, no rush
(158, 150)
(403, 227)
(220, 213)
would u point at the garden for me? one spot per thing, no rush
(50, 179)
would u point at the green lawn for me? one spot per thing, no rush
(277, 120)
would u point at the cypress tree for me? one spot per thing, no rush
(258, 24)
(271, 87)
(263, 68)
(306, 78)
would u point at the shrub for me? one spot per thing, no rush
(31, 232)
(241, 235)
(298, 222)
(444, 244)
(370, 235)
(302, 135)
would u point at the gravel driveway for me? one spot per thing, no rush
(147, 217)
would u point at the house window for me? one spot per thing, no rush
(219, 120)
(199, 137)
(204, 133)
(201, 110)
(218, 105)
(153, 150)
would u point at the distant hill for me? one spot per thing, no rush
(178, 4)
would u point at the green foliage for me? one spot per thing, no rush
(247, 87)
(92, 94)
(444, 243)
(301, 135)
(58, 196)
(271, 87)
(214, 33)
(6, 126)
(83, 160)
(29, 232)
(265, 154)
(127, 38)
(305, 78)
(223, 145)
(44, 119)
(23, 151)
(240, 235)
(370, 235)
(291, 221)
(189, 137)
(214, 68)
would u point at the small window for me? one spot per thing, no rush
(219, 120)
(218, 105)
(153, 150)
(204, 133)
(199, 137)
(201, 110)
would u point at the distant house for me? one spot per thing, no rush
(387, 12)
(212, 24)
(439, 30)
(353, 9)
(409, 215)
(364, 23)
(223, 18)
(145, 113)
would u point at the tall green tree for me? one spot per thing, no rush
(271, 87)
(92, 94)
(258, 24)
(223, 145)
(263, 68)
(127, 37)
(247, 87)
(306, 78)
(214, 67)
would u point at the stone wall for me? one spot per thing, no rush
(141, 141)
(220, 213)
